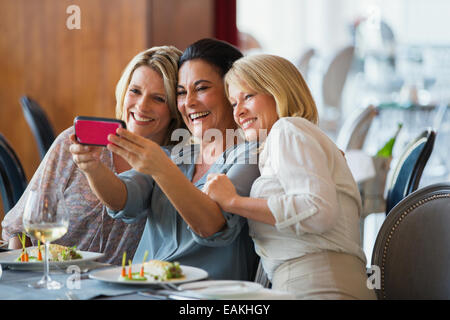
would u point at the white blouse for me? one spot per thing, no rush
(311, 193)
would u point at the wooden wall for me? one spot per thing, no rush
(74, 72)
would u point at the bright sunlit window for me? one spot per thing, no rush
(289, 27)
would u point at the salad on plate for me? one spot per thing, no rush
(156, 270)
(57, 252)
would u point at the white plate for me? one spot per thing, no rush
(221, 288)
(112, 275)
(8, 259)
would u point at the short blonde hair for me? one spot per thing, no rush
(164, 61)
(278, 77)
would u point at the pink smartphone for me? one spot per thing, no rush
(94, 131)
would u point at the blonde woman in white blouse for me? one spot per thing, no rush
(304, 209)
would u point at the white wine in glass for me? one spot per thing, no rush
(46, 232)
(45, 218)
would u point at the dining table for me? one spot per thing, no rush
(79, 285)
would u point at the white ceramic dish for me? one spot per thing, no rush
(112, 275)
(221, 289)
(8, 259)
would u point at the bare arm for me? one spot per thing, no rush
(252, 208)
(108, 187)
(202, 214)
(14, 243)
(103, 182)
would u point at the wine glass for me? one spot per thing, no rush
(45, 218)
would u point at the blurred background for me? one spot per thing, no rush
(394, 55)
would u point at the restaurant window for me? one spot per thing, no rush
(402, 56)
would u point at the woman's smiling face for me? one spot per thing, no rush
(252, 111)
(201, 98)
(145, 105)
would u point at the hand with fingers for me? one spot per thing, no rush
(87, 158)
(102, 180)
(220, 188)
(141, 153)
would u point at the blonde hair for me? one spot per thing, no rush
(164, 61)
(278, 77)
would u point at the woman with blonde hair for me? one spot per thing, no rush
(164, 61)
(304, 209)
(146, 101)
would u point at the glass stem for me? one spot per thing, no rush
(46, 264)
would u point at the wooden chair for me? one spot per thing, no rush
(335, 76)
(40, 125)
(332, 86)
(353, 132)
(412, 248)
(405, 179)
(409, 169)
(304, 62)
(12, 176)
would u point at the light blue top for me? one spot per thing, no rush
(228, 254)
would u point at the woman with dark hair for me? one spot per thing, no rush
(218, 54)
(183, 223)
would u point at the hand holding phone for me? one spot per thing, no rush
(94, 130)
